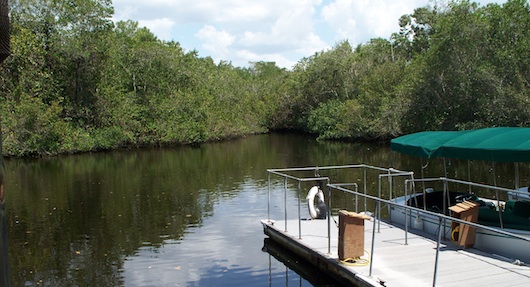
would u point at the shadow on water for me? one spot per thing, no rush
(82, 220)
(302, 268)
(102, 219)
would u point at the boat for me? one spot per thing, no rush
(392, 253)
(500, 144)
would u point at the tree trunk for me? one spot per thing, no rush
(4, 52)
(4, 30)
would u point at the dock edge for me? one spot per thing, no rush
(320, 260)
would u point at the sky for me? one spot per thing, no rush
(281, 31)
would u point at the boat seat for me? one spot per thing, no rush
(490, 217)
(521, 208)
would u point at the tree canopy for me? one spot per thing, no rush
(76, 81)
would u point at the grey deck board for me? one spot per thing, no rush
(413, 264)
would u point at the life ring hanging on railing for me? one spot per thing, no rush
(316, 204)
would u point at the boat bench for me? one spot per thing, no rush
(516, 215)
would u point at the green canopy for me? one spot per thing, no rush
(503, 144)
(422, 144)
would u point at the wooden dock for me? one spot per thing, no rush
(394, 263)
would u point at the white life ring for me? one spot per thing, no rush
(319, 210)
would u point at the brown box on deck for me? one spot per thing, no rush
(351, 234)
(467, 211)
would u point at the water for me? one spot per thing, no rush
(183, 216)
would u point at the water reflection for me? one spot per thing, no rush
(185, 216)
(102, 219)
(4, 258)
(304, 270)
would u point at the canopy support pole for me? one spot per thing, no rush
(497, 195)
(446, 191)
(445, 168)
(516, 181)
(469, 174)
(422, 185)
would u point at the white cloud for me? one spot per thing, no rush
(168, 263)
(160, 27)
(215, 41)
(361, 20)
(283, 31)
(277, 30)
(125, 13)
(313, 44)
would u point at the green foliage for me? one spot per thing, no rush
(355, 91)
(325, 76)
(77, 82)
(449, 67)
(472, 74)
(337, 120)
(415, 32)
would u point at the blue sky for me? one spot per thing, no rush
(283, 31)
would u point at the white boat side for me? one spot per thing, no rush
(397, 255)
(505, 246)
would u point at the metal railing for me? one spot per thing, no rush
(470, 185)
(386, 173)
(286, 174)
(441, 218)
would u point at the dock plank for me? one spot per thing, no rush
(397, 264)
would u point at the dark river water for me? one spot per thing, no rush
(182, 216)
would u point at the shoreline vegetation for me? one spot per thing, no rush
(77, 82)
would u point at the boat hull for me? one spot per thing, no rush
(498, 245)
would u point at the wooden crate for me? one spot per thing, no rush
(351, 234)
(467, 211)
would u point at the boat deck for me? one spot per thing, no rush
(397, 264)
